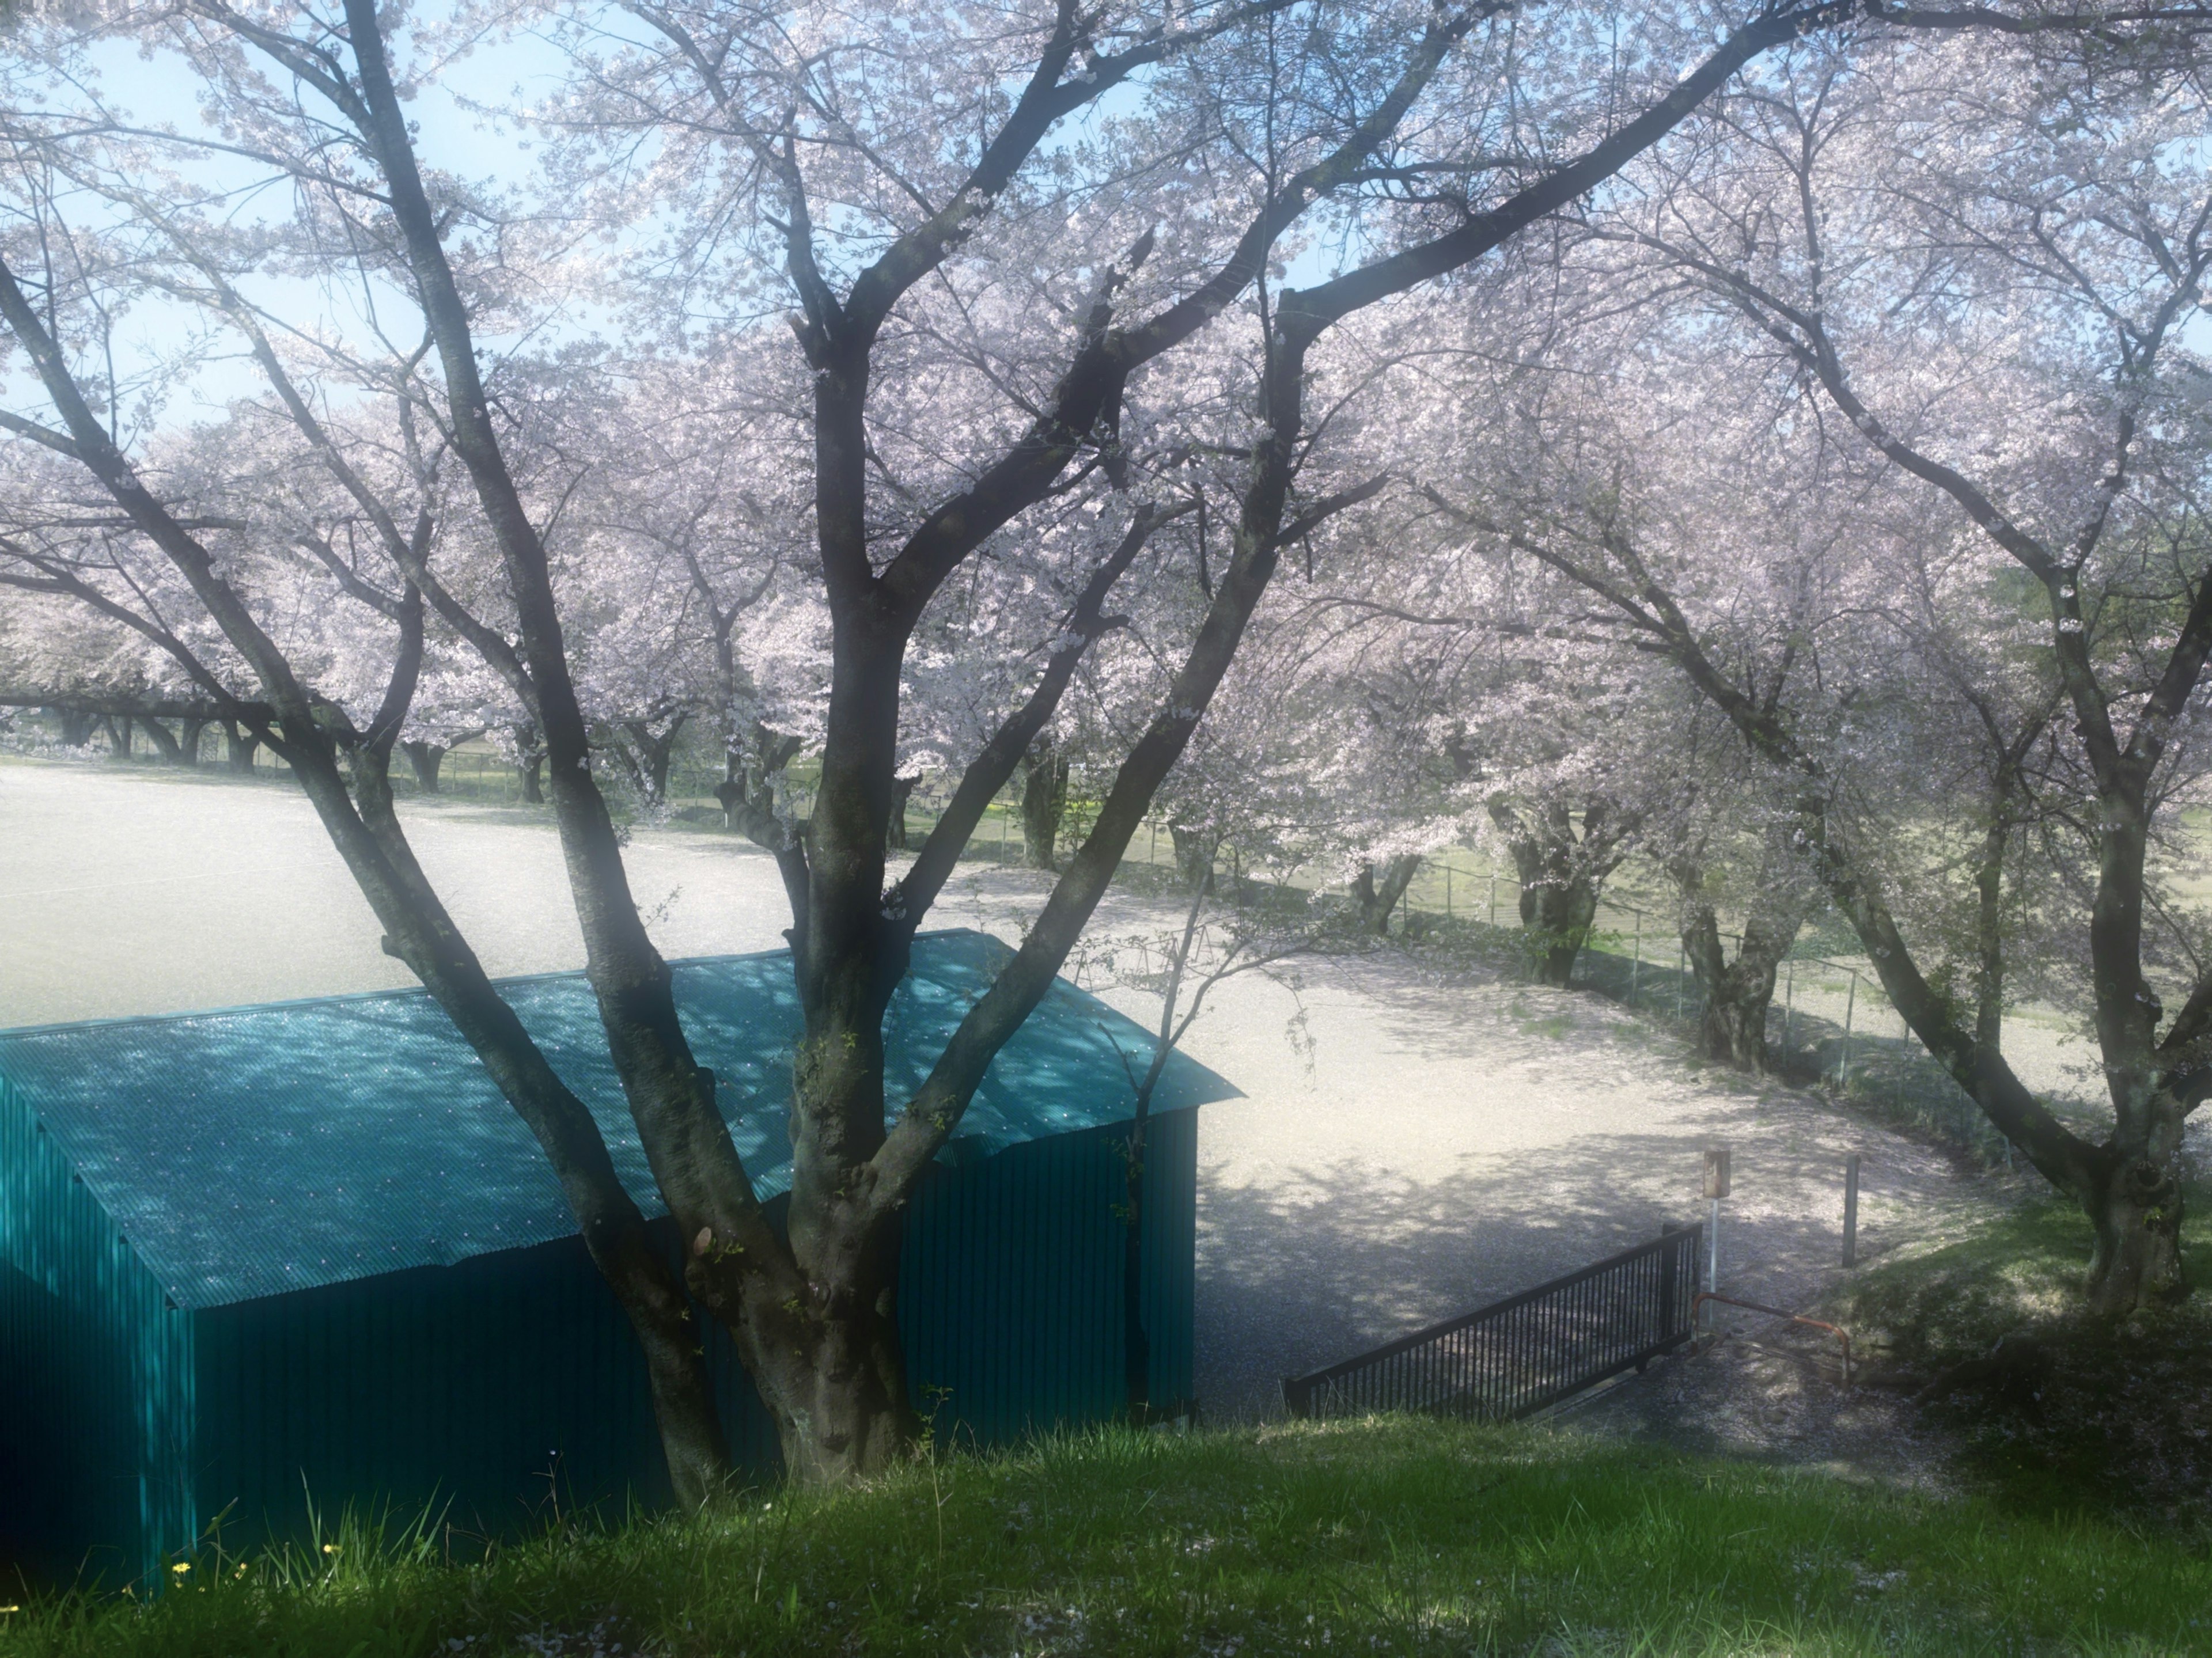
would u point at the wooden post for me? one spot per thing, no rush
(1636, 967)
(1788, 1009)
(1493, 898)
(1447, 889)
(1850, 1006)
(1852, 1210)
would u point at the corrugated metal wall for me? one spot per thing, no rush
(1009, 1288)
(496, 1386)
(95, 1384)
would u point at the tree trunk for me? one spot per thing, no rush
(164, 741)
(648, 756)
(1044, 803)
(119, 734)
(425, 758)
(77, 726)
(902, 792)
(2136, 1209)
(530, 764)
(1560, 875)
(1378, 898)
(238, 747)
(1732, 1030)
(731, 792)
(188, 744)
(1555, 915)
(833, 1378)
(1194, 854)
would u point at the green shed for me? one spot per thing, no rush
(259, 1258)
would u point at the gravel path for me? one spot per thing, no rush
(1418, 1140)
(1414, 1140)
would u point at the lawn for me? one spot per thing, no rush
(1391, 1536)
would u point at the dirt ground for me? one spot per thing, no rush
(1414, 1140)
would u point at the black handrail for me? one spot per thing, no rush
(1516, 1356)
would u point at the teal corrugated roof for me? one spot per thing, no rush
(257, 1151)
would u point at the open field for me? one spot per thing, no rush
(1416, 1138)
(1390, 1536)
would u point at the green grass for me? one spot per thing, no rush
(1406, 1537)
(2121, 1423)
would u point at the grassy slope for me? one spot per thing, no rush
(1395, 1536)
(2121, 1422)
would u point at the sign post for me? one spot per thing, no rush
(1851, 1211)
(1716, 1187)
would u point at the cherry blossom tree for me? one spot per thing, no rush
(980, 260)
(1993, 310)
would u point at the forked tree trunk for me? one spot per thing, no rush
(119, 734)
(77, 726)
(1556, 915)
(188, 745)
(1194, 854)
(1732, 1030)
(1044, 803)
(1560, 875)
(649, 755)
(832, 1375)
(2135, 1211)
(1378, 896)
(425, 759)
(238, 746)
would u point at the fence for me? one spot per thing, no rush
(1516, 1356)
(1830, 1018)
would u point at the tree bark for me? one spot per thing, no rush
(1732, 1028)
(1561, 876)
(901, 792)
(530, 764)
(425, 759)
(164, 740)
(188, 744)
(238, 747)
(649, 755)
(1194, 854)
(119, 734)
(1044, 803)
(1376, 898)
(77, 726)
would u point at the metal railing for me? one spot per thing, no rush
(1516, 1356)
